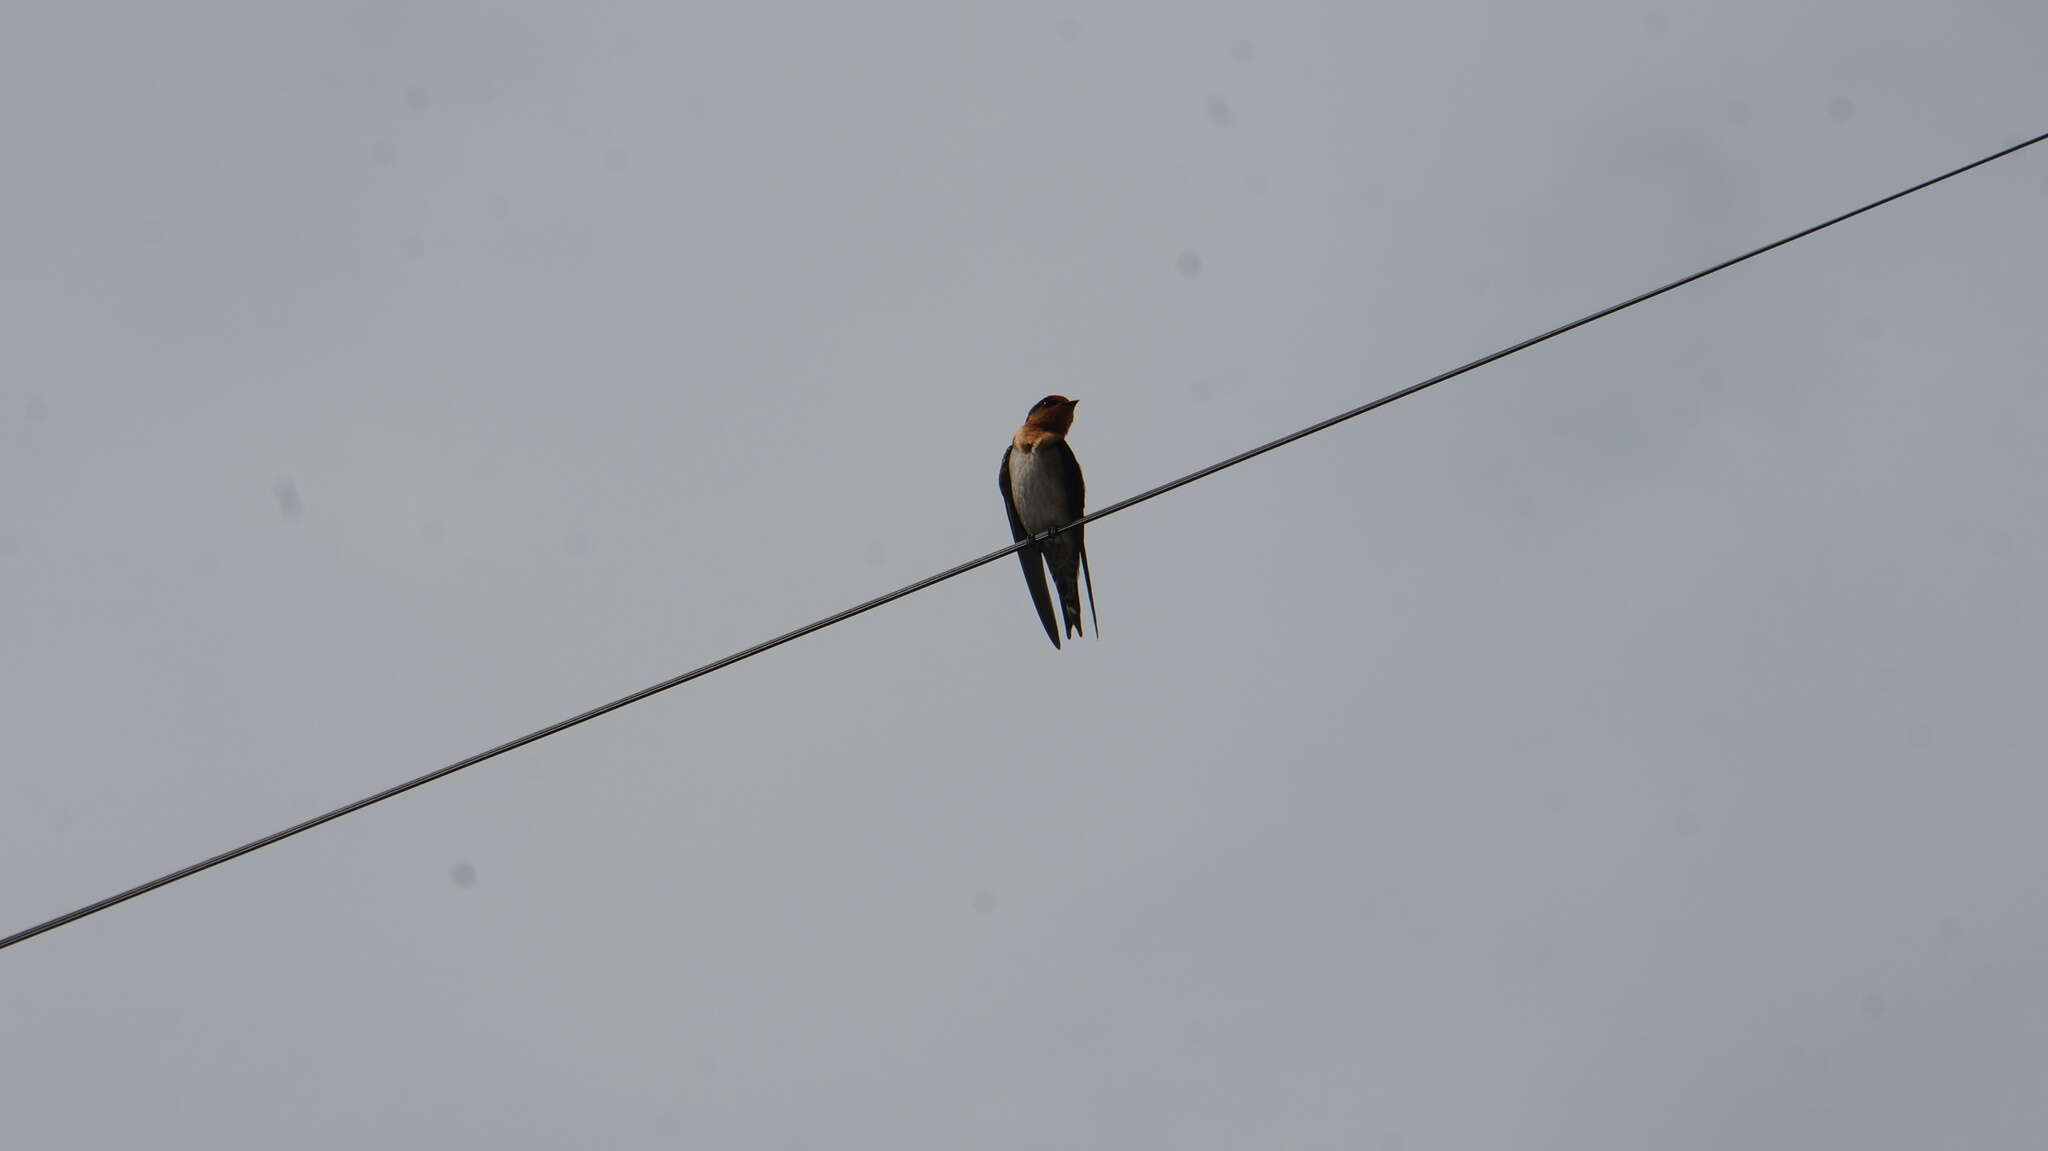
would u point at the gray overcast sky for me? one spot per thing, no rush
(1635, 744)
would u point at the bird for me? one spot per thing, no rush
(1042, 490)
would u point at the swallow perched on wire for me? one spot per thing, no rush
(1042, 490)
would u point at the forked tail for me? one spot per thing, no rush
(1090, 578)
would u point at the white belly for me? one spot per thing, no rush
(1040, 492)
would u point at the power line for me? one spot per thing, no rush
(970, 565)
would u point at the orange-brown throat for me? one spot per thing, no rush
(1051, 416)
(1028, 438)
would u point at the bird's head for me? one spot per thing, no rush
(1053, 413)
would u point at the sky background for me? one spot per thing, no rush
(1637, 743)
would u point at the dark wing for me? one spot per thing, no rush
(1034, 565)
(1070, 547)
(1080, 503)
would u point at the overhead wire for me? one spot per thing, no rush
(962, 568)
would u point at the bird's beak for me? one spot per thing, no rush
(1071, 403)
